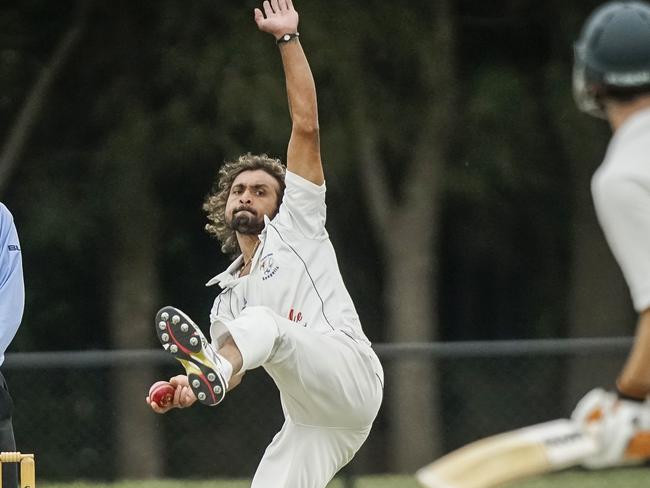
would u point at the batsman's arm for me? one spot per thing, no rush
(634, 380)
(303, 154)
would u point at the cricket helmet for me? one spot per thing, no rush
(612, 55)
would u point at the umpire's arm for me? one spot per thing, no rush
(303, 153)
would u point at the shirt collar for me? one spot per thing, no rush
(229, 278)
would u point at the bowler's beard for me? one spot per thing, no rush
(246, 222)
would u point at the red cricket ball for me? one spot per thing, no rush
(161, 392)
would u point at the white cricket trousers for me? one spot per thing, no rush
(331, 389)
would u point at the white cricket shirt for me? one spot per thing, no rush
(621, 192)
(294, 271)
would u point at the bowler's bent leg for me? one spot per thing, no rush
(306, 456)
(325, 379)
(331, 390)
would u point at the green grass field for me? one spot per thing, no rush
(615, 478)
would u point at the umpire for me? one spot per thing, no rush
(12, 302)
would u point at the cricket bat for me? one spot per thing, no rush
(489, 462)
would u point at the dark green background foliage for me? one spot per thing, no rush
(173, 90)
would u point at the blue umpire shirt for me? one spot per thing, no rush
(12, 288)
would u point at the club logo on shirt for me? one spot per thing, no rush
(268, 267)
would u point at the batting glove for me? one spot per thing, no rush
(621, 428)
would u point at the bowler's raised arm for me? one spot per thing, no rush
(280, 19)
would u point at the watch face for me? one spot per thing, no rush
(287, 37)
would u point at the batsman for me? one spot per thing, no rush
(612, 81)
(284, 306)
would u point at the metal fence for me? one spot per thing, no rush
(69, 405)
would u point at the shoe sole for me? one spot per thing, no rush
(184, 340)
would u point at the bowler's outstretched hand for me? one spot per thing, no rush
(279, 18)
(183, 395)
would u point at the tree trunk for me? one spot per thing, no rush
(412, 385)
(408, 228)
(134, 297)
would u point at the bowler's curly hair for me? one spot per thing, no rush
(215, 203)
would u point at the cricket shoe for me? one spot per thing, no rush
(184, 340)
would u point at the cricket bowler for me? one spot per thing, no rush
(284, 305)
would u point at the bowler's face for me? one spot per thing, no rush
(253, 195)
